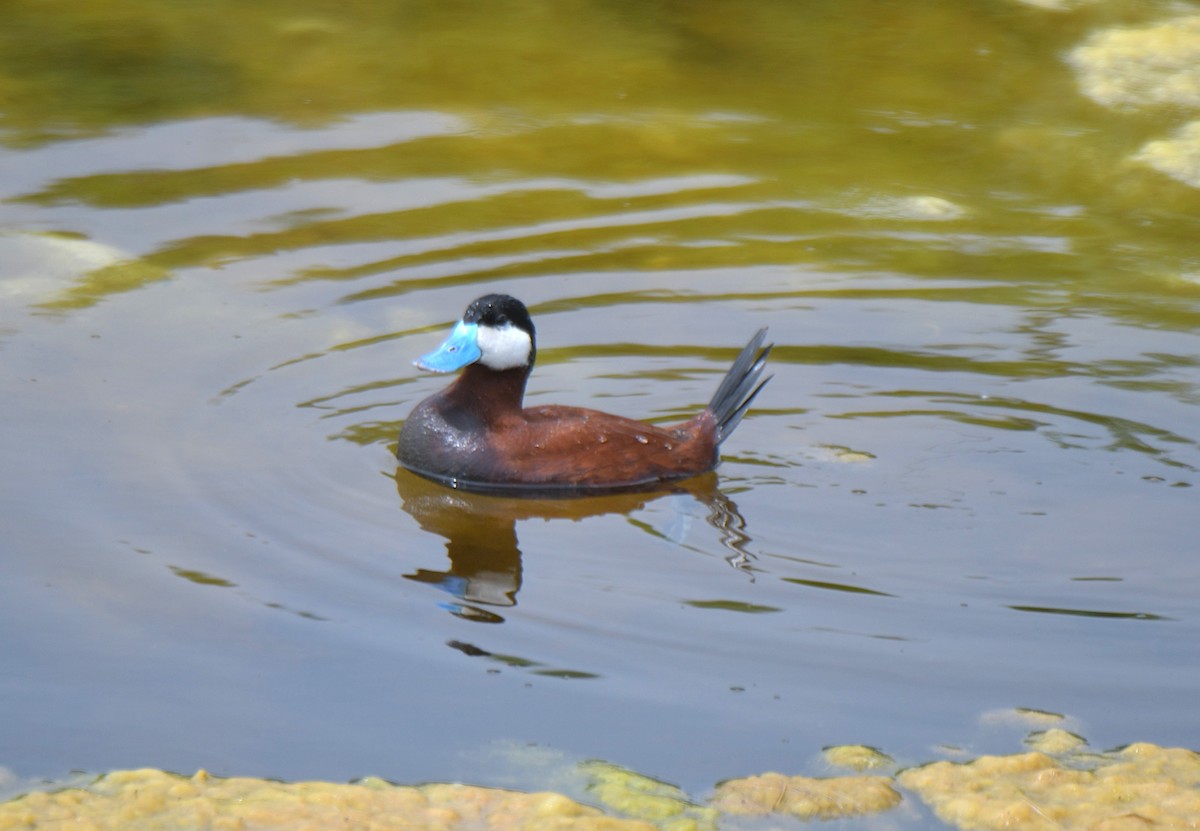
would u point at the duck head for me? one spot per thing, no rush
(495, 331)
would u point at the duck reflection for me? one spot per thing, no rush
(485, 573)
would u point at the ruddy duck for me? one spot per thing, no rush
(476, 435)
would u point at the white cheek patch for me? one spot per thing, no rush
(505, 348)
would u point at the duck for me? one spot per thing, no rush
(477, 435)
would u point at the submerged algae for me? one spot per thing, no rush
(1177, 156)
(1130, 68)
(641, 796)
(1055, 741)
(1153, 66)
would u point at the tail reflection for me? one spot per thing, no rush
(481, 536)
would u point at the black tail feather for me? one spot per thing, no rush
(740, 385)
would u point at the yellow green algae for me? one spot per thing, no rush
(39, 263)
(134, 800)
(651, 92)
(1177, 156)
(636, 795)
(115, 278)
(1059, 783)
(806, 797)
(1141, 786)
(856, 757)
(1133, 68)
(1054, 741)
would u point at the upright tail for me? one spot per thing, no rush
(738, 388)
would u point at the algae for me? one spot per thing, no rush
(1131, 68)
(1154, 66)
(1140, 786)
(1055, 741)
(151, 799)
(806, 797)
(1059, 784)
(1177, 156)
(856, 757)
(643, 797)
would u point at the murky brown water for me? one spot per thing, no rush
(226, 232)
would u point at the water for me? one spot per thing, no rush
(227, 234)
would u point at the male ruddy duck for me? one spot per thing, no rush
(476, 435)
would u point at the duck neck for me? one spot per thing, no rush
(490, 393)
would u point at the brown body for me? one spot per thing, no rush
(476, 433)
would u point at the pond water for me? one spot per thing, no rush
(227, 230)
